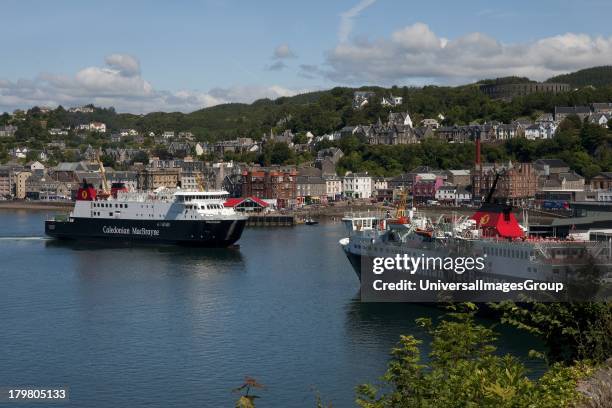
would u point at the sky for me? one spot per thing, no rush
(142, 56)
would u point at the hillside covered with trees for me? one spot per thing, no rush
(596, 76)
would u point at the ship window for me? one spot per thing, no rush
(110, 214)
(124, 205)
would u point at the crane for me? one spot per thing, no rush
(105, 188)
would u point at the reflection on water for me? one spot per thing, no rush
(123, 324)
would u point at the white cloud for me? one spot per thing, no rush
(121, 85)
(347, 18)
(283, 51)
(416, 54)
(126, 64)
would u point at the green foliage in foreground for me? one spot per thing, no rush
(571, 331)
(463, 371)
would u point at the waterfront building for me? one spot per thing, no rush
(458, 177)
(311, 189)
(602, 181)
(450, 194)
(128, 178)
(357, 185)
(274, 182)
(247, 204)
(517, 182)
(20, 184)
(152, 178)
(380, 183)
(425, 187)
(333, 186)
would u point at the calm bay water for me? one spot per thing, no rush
(169, 326)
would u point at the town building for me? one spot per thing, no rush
(357, 185)
(602, 181)
(8, 131)
(20, 184)
(602, 107)
(458, 177)
(600, 119)
(562, 112)
(93, 127)
(540, 130)
(396, 130)
(516, 182)
(449, 194)
(153, 178)
(391, 101)
(247, 204)
(271, 183)
(311, 189)
(327, 159)
(333, 187)
(380, 183)
(425, 187)
(128, 178)
(430, 123)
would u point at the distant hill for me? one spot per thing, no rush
(596, 76)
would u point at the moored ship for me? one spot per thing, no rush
(492, 234)
(165, 216)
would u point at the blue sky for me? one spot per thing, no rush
(185, 55)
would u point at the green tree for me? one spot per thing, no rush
(464, 371)
(572, 331)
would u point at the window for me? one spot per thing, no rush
(110, 214)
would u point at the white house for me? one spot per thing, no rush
(540, 130)
(392, 101)
(19, 152)
(431, 123)
(97, 127)
(94, 127)
(36, 166)
(58, 132)
(535, 131)
(452, 194)
(333, 186)
(600, 119)
(357, 185)
(380, 183)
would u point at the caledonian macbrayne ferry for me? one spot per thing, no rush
(165, 216)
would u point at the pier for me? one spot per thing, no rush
(271, 221)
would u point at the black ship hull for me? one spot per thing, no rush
(210, 233)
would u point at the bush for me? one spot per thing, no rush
(463, 371)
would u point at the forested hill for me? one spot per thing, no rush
(596, 76)
(326, 111)
(329, 110)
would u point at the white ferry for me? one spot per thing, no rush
(170, 216)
